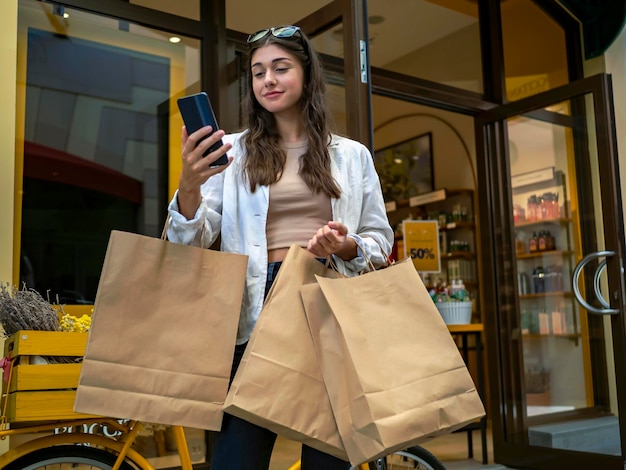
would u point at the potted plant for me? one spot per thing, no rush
(453, 303)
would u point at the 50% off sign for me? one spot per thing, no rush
(421, 243)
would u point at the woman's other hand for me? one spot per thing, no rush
(332, 239)
(196, 168)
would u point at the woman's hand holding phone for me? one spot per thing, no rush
(196, 168)
(196, 145)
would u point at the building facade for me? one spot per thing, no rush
(525, 103)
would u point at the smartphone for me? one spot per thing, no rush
(197, 112)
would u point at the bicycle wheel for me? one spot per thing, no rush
(76, 457)
(415, 458)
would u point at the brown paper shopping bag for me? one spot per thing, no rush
(392, 370)
(279, 384)
(163, 333)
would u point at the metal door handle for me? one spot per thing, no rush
(596, 284)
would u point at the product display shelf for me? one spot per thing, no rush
(454, 210)
(548, 314)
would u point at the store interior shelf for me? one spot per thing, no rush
(570, 336)
(539, 254)
(531, 223)
(541, 295)
(459, 255)
(457, 226)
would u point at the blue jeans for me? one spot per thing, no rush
(241, 445)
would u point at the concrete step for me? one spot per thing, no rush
(599, 435)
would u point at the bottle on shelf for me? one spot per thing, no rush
(443, 219)
(539, 285)
(543, 206)
(541, 241)
(464, 214)
(532, 243)
(554, 210)
(520, 246)
(531, 208)
(525, 322)
(544, 323)
(550, 241)
(519, 214)
(523, 283)
(456, 213)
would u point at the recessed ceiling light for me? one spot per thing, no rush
(174, 39)
(66, 15)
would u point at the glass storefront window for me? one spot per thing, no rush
(436, 40)
(96, 126)
(248, 17)
(532, 62)
(397, 121)
(189, 8)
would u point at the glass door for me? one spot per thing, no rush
(337, 30)
(554, 221)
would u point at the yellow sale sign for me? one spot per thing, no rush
(421, 243)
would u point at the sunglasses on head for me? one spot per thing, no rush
(279, 32)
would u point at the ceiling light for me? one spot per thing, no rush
(175, 39)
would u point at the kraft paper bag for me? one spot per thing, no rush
(394, 375)
(279, 384)
(163, 333)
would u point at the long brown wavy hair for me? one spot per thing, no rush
(265, 160)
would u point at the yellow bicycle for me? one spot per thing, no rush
(106, 444)
(91, 443)
(61, 439)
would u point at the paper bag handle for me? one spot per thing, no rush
(165, 227)
(167, 224)
(330, 261)
(367, 258)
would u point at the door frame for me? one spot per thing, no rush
(502, 323)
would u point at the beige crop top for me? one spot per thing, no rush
(295, 213)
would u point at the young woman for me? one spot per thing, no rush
(288, 180)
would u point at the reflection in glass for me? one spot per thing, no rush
(188, 8)
(533, 62)
(437, 40)
(239, 16)
(96, 132)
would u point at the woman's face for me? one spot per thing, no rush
(277, 79)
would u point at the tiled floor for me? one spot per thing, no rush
(450, 449)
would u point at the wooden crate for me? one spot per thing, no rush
(43, 392)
